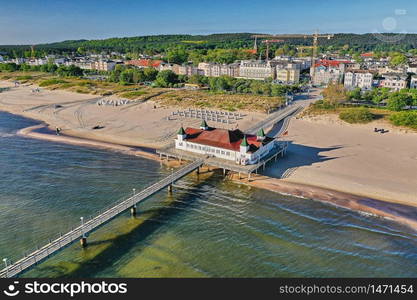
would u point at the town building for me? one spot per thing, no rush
(412, 68)
(257, 69)
(413, 82)
(189, 70)
(144, 63)
(18, 61)
(328, 71)
(103, 65)
(288, 75)
(231, 145)
(362, 79)
(168, 66)
(37, 62)
(216, 70)
(394, 81)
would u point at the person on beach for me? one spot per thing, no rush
(58, 130)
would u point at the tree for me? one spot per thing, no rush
(198, 79)
(355, 94)
(9, 67)
(81, 50)
(48, 68)
(71, 70)
(166, 78)
(177, 55)
(397, 101)
(379, 94)
(150, 74)
(126, 76)
(196, 57)
(335, 93)
(397, 59)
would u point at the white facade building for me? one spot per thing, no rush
(394, 81)
(226, 144)
(358, 79)
(257, 70)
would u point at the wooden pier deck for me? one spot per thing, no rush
(197, 160)
(90, 225)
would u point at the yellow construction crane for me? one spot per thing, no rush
(315, 37)
(32, 51)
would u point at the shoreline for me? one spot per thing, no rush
(67, 139)
(400, 213)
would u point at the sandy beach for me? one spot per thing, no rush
(133, 124)
(347, 165)
(351, 159)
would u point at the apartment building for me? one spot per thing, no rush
(288, 75)
(168, 66)
(394, 81)
(188, 70)
(259, 70)
(103, 65)
(216, 70)
(358, 79)
(327, 71)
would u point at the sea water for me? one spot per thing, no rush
(208, 227)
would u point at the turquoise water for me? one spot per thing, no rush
(209, 227)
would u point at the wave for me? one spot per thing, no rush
(6, 134)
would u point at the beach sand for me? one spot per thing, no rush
(347, 165)
(135, 124)
(351, 159)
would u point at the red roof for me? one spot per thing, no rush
(221, 138)
(252, 51)
(331, 63)
(144, 63)
(369, 54)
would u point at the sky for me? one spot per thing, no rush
(42, 21)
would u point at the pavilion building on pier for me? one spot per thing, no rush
(243, 149)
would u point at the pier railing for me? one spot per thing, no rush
(94, 222)
(274, 118)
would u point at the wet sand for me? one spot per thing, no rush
(401, 213)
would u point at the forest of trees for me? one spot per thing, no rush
(162, 43)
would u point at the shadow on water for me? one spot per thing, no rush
(123, 243)
(299, 156)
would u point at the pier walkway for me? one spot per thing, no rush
(90, 225)
(80, 233)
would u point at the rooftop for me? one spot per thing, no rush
(223, 138)
(331, 63)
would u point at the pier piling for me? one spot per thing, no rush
(133, 211)
(83, 242)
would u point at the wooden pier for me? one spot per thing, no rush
(197, 160)
(80, 233)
